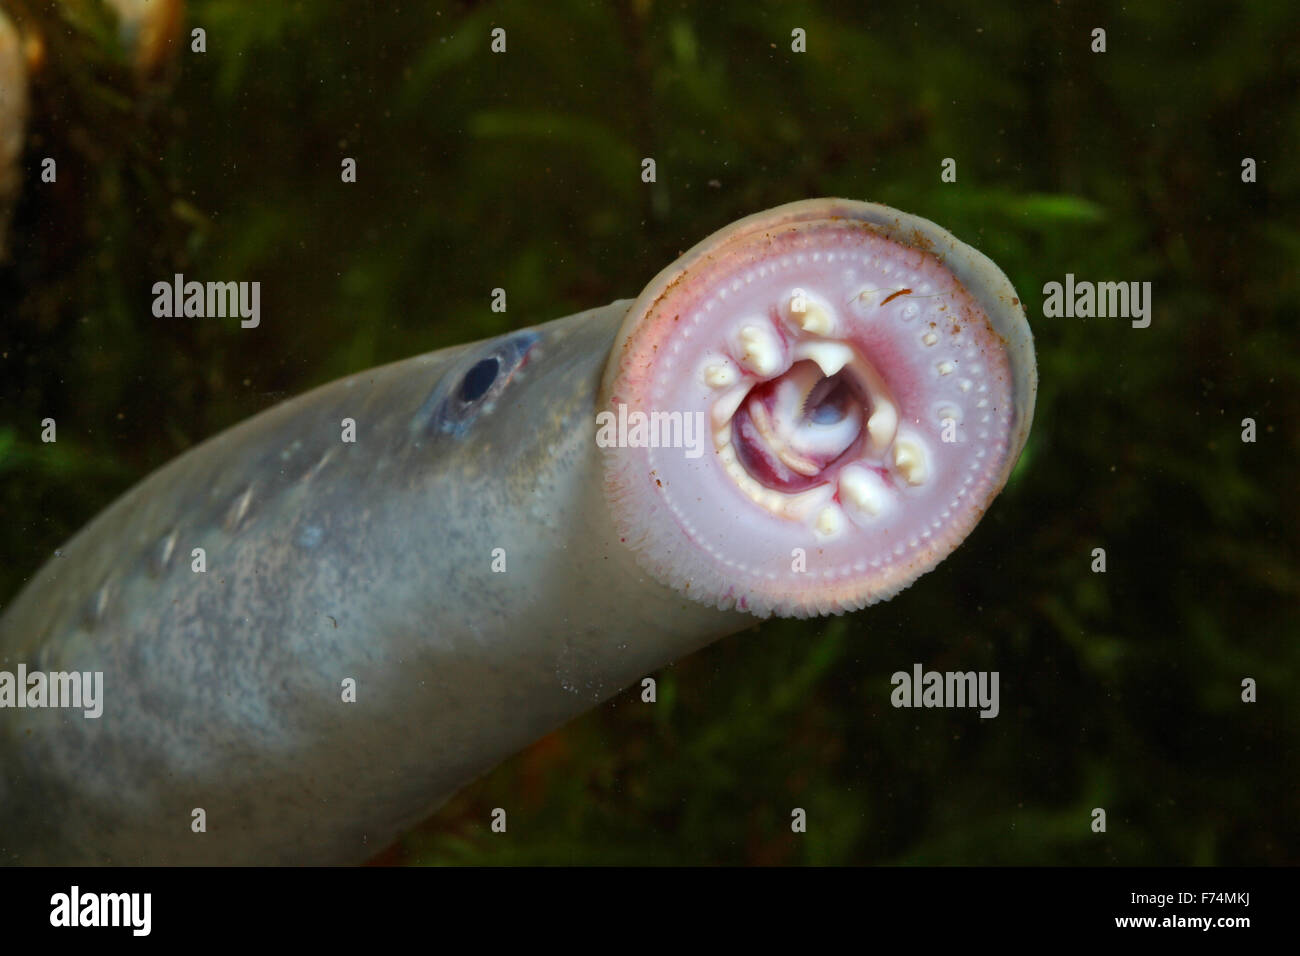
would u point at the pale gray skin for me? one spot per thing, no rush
(223, 688)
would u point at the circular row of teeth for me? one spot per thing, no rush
(757, 352)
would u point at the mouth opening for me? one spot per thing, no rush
(794, 431)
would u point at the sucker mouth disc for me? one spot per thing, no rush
(864, 404)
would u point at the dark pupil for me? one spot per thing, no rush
(479, 379)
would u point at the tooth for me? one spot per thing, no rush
(829, 521)
(829, 356)
(762, 421)
(795, 507)
(863, 490)
(796, 462)
(720, 375)
(813, 318)
(882, 424)
(799, 506)
(726, 406)
(930, 338)
(909, 459)
(945, 368)
(794, 389)
(810, 313)
(760, 352)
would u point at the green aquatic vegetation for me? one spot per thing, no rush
(522, 171)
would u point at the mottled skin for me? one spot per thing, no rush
(369, 560)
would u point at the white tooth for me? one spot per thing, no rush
(863, 490)
(810, 313)
(815, 319)
(760, 352)
(829, 521)
(798, 506)
(882, 424)
(722, 437)
(930, 338)
(829, 356)
(945, 368)
(762, 421)
(796, 462)
(726, 406)
(909, 459)
(720, 375)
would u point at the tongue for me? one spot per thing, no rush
(791, 429)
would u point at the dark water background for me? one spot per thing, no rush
(522, 171)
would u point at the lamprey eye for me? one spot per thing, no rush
(479, 379)
(472, 385)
